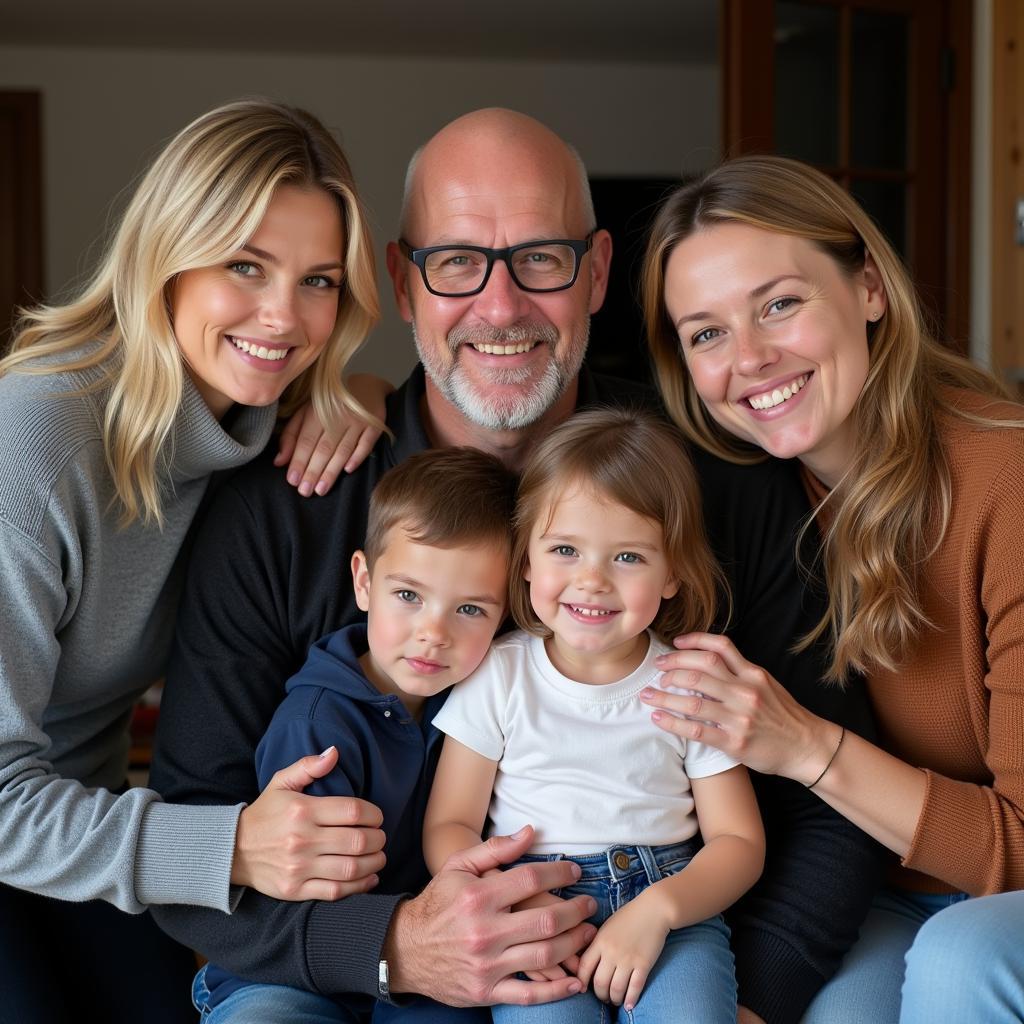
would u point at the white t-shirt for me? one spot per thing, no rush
(584, 764)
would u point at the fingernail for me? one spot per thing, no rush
(576, 869)
(321, 487)
(656, 716)
(593, 905)
(326, 752)
(294, 477)
(305, 488)
(646, 694)
(575, 987)
(520, 833)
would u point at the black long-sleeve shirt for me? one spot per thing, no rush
(269, 576)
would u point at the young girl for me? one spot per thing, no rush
(609, 563)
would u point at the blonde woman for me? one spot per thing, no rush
(238, 284)
(782, 322)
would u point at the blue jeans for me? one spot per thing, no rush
(931, 958)
(63, 962)
(281, 1004)
(694, 979)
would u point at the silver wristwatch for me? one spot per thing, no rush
(383, 981)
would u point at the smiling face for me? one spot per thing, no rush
(431, 613)
(249, 326)
(598, 574)
(773, 332)
(504, 357)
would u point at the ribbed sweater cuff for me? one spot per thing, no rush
(184, 855)
(774, 980)
(344, 940)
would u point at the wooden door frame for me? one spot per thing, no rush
(1007, 185)
(747, 68)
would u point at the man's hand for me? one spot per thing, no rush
(620, 958)
(570, 966)
(461, 943)
(296, 847)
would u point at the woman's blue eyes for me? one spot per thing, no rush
(779, 305)
(323, 282)
(245, 269)
(707, 334)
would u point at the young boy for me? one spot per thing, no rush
(432, 579)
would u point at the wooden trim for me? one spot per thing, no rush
(747, 62)
(960, 43)
(1007, 185)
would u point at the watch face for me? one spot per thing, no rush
(383, 980)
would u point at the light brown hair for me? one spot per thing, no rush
(203, 197)
(445, 498)
(640, 462)
(890, 510)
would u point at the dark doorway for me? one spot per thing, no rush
(21, 220)
(875, 93)
(625, 207)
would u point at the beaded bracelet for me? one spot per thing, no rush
(842, 736)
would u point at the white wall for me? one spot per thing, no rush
(107, 111)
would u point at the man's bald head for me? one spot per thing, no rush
(504, 149)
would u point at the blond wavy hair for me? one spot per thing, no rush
(890, 510)
(638, 461)
(202, 198)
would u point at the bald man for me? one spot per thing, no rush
(501, 344)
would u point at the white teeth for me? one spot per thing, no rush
(779, 395)
(505, 350)
(260, 351)
(593, 613)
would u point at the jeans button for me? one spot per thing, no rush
(621, 860)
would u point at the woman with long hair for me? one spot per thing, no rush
(781, 322)
(238, 283)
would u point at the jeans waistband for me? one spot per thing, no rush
(620, 862)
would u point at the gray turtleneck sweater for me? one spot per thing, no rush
(86, 618)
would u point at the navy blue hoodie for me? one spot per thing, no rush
(385, 757)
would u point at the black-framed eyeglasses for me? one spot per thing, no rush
(454, 271)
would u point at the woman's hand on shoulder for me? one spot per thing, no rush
(316, 459)
(296, 847)
(736, 706)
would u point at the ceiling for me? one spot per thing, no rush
(673, 31)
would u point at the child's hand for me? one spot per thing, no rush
(622, 954)
(314, 459)
(568, 967)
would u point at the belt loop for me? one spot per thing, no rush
(650, 865)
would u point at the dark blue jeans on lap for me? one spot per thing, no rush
(68, 962)
(281, 1004)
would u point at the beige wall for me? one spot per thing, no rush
(105, 111)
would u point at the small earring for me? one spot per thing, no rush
(876, 315)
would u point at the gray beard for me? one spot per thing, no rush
(515, 412)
